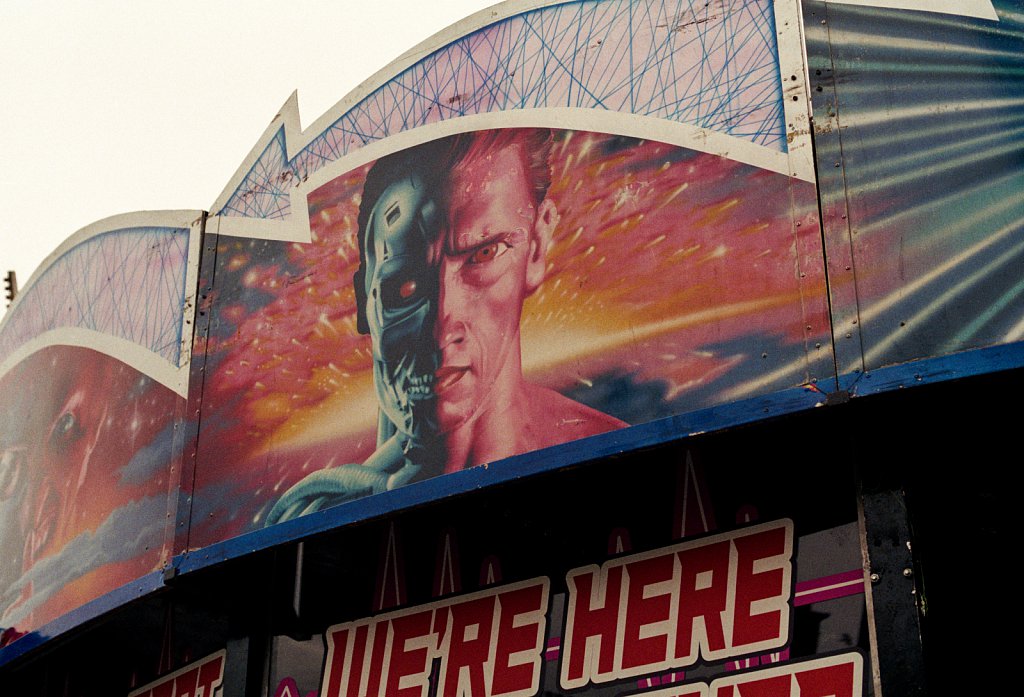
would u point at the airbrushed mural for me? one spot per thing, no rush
(494, 293)
(88, 462)
(527, 237)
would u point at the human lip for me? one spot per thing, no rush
(447, 376)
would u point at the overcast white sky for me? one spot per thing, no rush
(114, 106)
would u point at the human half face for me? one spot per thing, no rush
(493, 258)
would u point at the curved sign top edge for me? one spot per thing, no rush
(150, 254)
(788, 132)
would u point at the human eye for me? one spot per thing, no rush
(65, 431)
(488, 252)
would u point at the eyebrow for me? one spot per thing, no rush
(512, 237)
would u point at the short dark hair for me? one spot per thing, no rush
(535, 144)
(434, 162)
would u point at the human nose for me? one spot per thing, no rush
(451, 307)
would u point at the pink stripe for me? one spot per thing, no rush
(829, 595)
(852, 575)
(847, 583)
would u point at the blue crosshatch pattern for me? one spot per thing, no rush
(127, 283)
(711, 65)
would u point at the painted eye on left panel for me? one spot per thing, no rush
(66, 430)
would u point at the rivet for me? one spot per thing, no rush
(875, 578)
(907, 573)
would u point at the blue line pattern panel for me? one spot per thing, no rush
(708, 64)
(127, 283)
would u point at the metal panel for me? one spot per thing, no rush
(918, 132)
(96, 352)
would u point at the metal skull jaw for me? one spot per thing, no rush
(401, 302)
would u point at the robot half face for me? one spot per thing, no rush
(401, 302)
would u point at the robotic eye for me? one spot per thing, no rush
(407, 289)
(401, 291)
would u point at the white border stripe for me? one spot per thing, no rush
(982, 9)
(128, 352)
(295, 228)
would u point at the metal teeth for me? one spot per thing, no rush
(421, 380)
(419, 386)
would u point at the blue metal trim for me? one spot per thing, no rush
(932, 370)
(91, 610)
(511, 469)
(956, 366)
